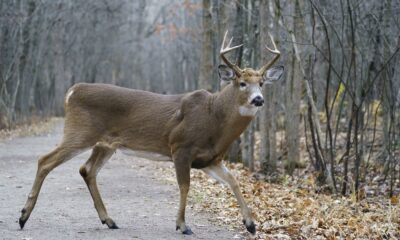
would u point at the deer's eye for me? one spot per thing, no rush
(242, 84)
(261, 84)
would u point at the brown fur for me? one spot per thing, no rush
(251, 76)
(197, 120)
(193, 129)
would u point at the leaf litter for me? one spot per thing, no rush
(292, 211)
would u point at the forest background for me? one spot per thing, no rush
(333, 117)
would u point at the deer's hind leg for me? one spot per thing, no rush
(100, 154)
(46, 164)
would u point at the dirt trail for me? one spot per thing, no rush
(143, 206)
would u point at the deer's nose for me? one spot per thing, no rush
(258, 101)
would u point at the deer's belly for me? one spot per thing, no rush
(144, 154)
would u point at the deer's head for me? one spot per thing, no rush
(248, 82)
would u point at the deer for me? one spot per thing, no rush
(193, 130)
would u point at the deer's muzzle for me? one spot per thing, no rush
(258, 101)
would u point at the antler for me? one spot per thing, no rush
(227, 49)
(274, 51)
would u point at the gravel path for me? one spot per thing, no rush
(143, 206)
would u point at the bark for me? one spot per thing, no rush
(268, 153)
(293, 99)
(206, 67)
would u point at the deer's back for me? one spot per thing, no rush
(130, 118)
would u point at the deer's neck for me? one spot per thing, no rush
(226, 106)
(227, 102)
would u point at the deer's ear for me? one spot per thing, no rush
(225, 73)
(273, 74)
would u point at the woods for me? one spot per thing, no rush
(334, 114)
(321, 159)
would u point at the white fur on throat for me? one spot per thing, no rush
(248, 110)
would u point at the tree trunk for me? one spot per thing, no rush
(268, 154)
(206, 68)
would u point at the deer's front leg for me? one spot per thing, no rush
(222, 174)
(182, 167)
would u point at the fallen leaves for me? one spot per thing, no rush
(290, 212)
(33, 128)
(394, 200)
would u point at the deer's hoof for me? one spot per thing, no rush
(22, 219)
(110, 223)
(113, 226)
(250, 226)
(187, 230)
(21, 222)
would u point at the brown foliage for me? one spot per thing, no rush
(292, 212)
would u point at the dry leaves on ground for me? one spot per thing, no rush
(288, 212)
(35, 127)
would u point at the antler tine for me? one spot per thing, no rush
(274, 51)
(223, 41)
(230, 42)
(226, 49)
(273, 43)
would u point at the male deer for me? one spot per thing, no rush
(194, 130)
